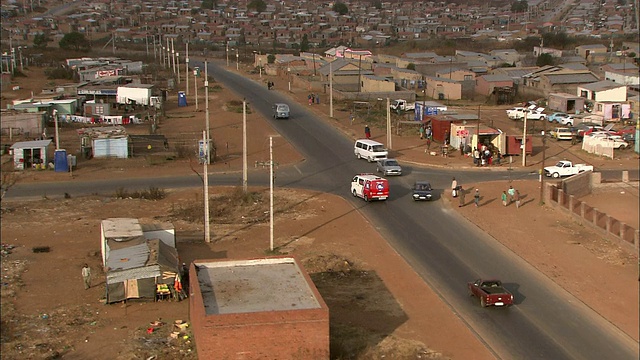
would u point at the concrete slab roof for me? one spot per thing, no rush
(257, 285)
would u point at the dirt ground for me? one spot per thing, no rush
(376, 301)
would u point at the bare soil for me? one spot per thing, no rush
(376, 301)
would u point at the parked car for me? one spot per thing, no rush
(562, 133)
(389, 167)
(422, 191)
(615, 141)
(561, 118)
(490, 293)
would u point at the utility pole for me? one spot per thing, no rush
(146, 37)
(271, 193)
(168, 54)
(389, 145)
(227, 51)
(113, 42)
(178, 65)
(360, 74)
(207, 232)
(173, 56)
(524, 141)
(206, 106)
(330, 91)
(244, 145)
(196, 73)
(237, 60)
(187, 68)
(544, 147)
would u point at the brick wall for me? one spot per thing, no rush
(291, 334)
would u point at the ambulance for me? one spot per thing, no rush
(370, 187)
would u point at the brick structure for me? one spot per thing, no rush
(264, 308)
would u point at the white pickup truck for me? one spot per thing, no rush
(402, 105)
(566, 168)
(532, 114)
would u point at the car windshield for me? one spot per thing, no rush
(423, 186)
(283, 108)
(377, 148)
(391, 163)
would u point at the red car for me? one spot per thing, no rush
(490, 293)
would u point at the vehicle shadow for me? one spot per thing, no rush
(514, 288)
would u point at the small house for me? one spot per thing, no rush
(30, 154)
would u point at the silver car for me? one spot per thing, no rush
(389, 167)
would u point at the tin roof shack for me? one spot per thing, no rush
(570, 104)
(119, 230)
(28, 154)
(139, 94)
(264, 308)
(136, 267)
(104, 142)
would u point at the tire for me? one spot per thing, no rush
(622, 147)
(377, 169)
(366, 198)
(369, 159)
(483, 303)
(358, 156)
(354, 194)
(555, 175)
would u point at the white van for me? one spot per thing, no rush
(280, 111)
(370, 150)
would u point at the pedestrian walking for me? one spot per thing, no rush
(454, 187)
(512, 193)
(309, 98)
(504, 198)
(517, 197)
(461, 196)
(421, 131)
(86, 276)
(476, 198)
(367, 132)
(351, 118)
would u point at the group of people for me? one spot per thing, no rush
(426, 133)
(486, 156)
(511, 195)
(508, 196)
(313, 98)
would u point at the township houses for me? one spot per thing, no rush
(609, 99)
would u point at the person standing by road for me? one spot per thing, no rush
(517, 197)
(367, 132)
(476, 198)
(454, 187)
(86, 276)
(421, 131)
(512, 193)
(504, 198)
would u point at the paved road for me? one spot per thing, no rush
(445, 249)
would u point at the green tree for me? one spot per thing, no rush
(304, 45)
(271, 58)
(41, 40)
(545, 59)
(377, 4)
(257, 5)
(208, 4)
(519, 6)
(74, 41)
(341, 8)
(411, 66)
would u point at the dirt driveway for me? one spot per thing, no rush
(336, 245)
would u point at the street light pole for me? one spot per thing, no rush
(207, 232)
(330, 91)
(206, 106)
(227, 51)
(542, 175)
(244, 146)
(237, 60)
(271, 193)
(186, 60)
(524, 141)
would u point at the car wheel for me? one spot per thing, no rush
(354, 194)
(369, 159)
(555, 175)
(366, 198)
(542, 118)
(483, 303)
(358, 156)
(622, 147)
